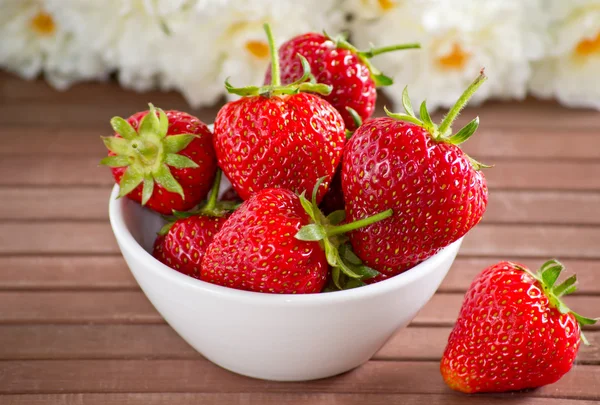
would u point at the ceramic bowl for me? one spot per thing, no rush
(270, 336)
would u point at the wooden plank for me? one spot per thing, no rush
(54, 203)
(133, 307)
(428, 343)
(536, 241)
(84, 170)
(505, 206)
(291, 398)
(104, 272)
(552, 207)
(443, 308)
(40, 342)
(77, 307)
(465, 269)
(489, 144)
(384, 377)
(65, 272)
(44, 140)
(527, 143)
(57, 237)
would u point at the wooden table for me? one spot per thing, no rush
(75, 328)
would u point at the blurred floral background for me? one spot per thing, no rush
(548, 48)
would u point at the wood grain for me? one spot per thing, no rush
(465, 269)
(382, 377)
(54, 203)
(52, 170)
(505, 206)
(65, 272)
(292, 398)
(39, 342)
(133, 307)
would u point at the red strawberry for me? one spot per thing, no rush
(278, 242)
(336, 62)
(277, 136)
(165, 160)
(181, 244)
(513, 331)
(415, 167)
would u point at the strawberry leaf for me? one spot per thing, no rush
(123, 128)
(177, 143)
(403, 117)
(130, 180)
(336, 217)
(164, 177)
(148, 189)
(311, 232)
(566, 287)
(163, 123)
(381, 80)
(429, 125)
(115, 161)
(308, 207)
(465, 133)
(119, 146)
(550, 271)
(406, 103)
(180, 161)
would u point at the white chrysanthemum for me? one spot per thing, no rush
(369, 9)
(239, 35)
(458, 38)
(571, 70)
(36, 36)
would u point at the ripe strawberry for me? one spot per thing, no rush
(513, 331)
(165, 160)
(336, 62)
(278, 242)
(277, 136)
(415, 167)
(181, 244)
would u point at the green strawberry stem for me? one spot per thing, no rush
(147, 153)
(275, 71)
(547, 276)
(306, 83)
(340, 229)
(391, 48)
(347, 269)
(443, 132)
(214, 193)
(461, 103)
(379, 78)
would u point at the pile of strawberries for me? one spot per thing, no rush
(321, 201)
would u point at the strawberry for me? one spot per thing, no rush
(513, 331)
(279, 242)
(165, 160)
(181, 244)
(278, 136)
(417, 168)
(336, 62)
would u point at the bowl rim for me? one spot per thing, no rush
(127, 242)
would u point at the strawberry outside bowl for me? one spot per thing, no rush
(268, 336)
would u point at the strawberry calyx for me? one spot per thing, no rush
(348, 271)
(148, 154)
(547, 276)
(306, 83)
(443, 131)
(357, 121)
(210, 208)
(378, 77)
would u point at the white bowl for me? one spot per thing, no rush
(270, 336)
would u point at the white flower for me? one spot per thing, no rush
(238, 32)
(35, 35)
(571, 71)
(369, 9)
(458, 38)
